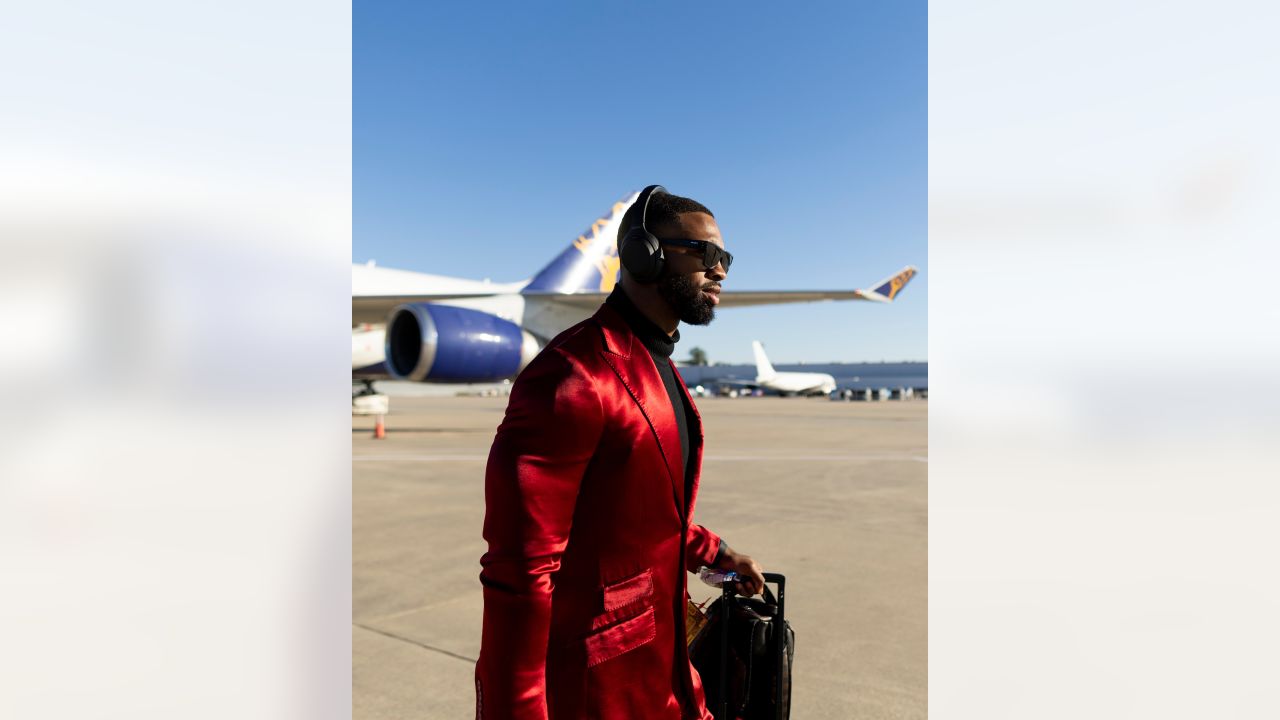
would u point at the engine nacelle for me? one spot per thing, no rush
(441, 343)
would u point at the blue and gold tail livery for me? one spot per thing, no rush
(591, 263)
(887, 290)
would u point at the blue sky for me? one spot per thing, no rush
(487, 137)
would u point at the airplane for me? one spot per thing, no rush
(789, 383)
(436, 329)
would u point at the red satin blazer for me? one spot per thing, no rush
(589, 539)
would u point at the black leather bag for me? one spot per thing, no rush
(749, 658)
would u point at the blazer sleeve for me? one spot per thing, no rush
(553, 424)
(701, 548)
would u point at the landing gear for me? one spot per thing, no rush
(367, 401)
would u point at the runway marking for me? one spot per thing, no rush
(418, 458)
(414, 642)
(708, 458)
(811, 458)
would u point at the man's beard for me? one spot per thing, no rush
(686, 298)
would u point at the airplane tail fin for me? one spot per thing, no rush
(887, 289)
(591, 263)
(764, 370)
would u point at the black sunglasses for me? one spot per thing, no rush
(712, 254)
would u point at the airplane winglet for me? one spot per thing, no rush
(889, 288)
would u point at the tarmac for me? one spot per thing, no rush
(834, 495)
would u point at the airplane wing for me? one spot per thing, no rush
(374, 308)
(885, 291)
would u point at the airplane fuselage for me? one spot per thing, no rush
(798, 383)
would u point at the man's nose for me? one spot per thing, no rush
(718, 272)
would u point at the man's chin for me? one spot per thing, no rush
(698, 316)
(687, 300)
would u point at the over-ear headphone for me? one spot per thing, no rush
(639, 251)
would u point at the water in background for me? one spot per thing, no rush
(847, 375)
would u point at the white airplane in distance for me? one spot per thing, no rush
(429, 328)
(789, 383)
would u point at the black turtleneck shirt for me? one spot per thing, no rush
(660, 347)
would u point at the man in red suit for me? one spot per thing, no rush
(590, 491)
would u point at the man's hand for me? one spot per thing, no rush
(751, 578)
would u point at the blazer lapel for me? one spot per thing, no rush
(631, 362)
(696, 449)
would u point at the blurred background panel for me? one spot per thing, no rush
(1102, 437)
(175, 225)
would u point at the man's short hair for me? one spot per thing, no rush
(663, 208)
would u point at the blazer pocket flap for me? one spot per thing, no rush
(618, 639)
(625, 592)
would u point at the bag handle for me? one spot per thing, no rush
(727, 591)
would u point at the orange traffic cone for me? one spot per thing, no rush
(379, 430)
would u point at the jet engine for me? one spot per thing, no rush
(441, 343)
